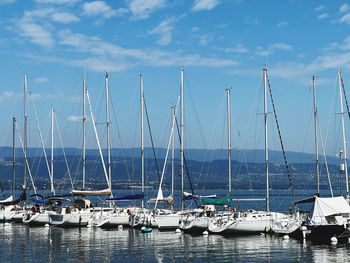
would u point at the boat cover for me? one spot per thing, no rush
(326, 210)
(106, 191)
(219, 201)
(126, 197)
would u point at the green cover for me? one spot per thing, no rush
(220, 201)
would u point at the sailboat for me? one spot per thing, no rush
(330, 217)
(81, 210)
(250, 221)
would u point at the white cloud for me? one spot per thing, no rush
(345, 19)
(4, 2)
(271, 49)
(344, 8)
(100, 8)
(320, 8)
(204, 5)
(282, 23)
(74, 118)
(36, 33)
(237, 49)
(195, 29)
(250, 20)
(105, 56)
(164, 29)
(57, 1)
(205, 39)
(41, 80)
(10, 96)
(142, 9)
(64, 18)
(322, 16)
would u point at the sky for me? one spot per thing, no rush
(220, 44)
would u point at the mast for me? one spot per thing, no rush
(266, 143)
(142, 146)
(344, 139)
(182, 137)
(84, 132)
(25, 132)
(108, 133)
(13, 155)
(316, 139)
(229, 140)
(52, 116)
(172, 153)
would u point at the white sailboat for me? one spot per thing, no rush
(81, 211)
(250, 221)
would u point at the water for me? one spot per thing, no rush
(20, 243)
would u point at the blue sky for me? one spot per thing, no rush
(219, 43)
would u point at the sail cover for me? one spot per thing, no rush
(126, 197)
(220, 201)
(189, 196)
(97, 192)
(323, 208)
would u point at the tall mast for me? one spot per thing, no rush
(182, 137)
(25, 132)
(108, 133)
(266, 143)
(52, 116)
(344, 139)
(229, 140)
(142, 146)
(13, 155)
(316, 139)
(172, 152)
(84, 132)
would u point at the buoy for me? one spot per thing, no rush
(349, 240)
(120, 227)
(303, 231)
(146, 230)
(334, 240)
(262, 234)
(286, 237)
(178, 231)
(88, 226)
(205, 233)
(47, 225)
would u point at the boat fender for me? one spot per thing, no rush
(34, 209)
(14, 207)
(130, 212)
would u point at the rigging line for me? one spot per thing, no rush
(64, 153)
(42, 143)
(185, 162)
(346, 100)
(151, 137)
(325, 158)
(25, 157)
(280, 137)
(2, 190)
(120, 138)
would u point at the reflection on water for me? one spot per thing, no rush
(20, 243)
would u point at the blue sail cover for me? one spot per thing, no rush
(126, 197)
(40, 202)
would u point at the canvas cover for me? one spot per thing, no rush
(326, 211)
(97, 192)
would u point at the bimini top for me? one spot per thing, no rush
(326, 210)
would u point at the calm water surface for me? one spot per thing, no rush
(20, 243)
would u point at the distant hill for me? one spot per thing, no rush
(201, 155)
(207, 169)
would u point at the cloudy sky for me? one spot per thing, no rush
(220, 44)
